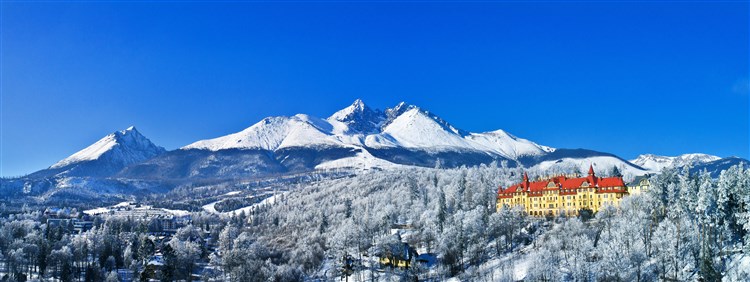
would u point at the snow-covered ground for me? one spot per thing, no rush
(267, 201)
(362, 161)
(177, 212)
(129, 208)
(97, 211)
(738, 269)
(211, 207)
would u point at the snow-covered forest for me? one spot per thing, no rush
(687, 227)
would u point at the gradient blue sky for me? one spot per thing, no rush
(627, 78)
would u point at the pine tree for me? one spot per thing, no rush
(615, 171)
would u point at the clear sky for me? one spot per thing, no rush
(626, 78)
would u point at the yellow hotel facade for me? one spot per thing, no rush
(563, 195)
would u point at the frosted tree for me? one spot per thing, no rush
(186, 245)
(474, 227)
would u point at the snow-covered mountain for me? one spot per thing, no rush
(358, 126)
(657, 163)
(107, 156)
(360, 137)
(355, 137)
(715, 167)
(352, 139)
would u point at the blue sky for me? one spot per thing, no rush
(626, 78)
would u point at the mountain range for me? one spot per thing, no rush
(657, 163)
(359, 137)
(356, 138)
(697, 162)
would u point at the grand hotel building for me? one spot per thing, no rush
(563, 195)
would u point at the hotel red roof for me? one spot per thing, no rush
(611, 182)
(565, 183)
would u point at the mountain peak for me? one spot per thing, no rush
(358, 104)
(130, 131)
(124, 146)
(359, 118)
(403, 107)
(399, 109)
(357, 107)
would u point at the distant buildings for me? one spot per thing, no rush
(160, 220)
(639, 184)
(566, 195)
(70, 224)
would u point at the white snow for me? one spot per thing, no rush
(92, 152)
(211, 207)
(273, 133)
(178, 213)
(125, 207)
(124, 147)
(403, 126)
(363, 160)
(657, 163)
(601, 164)
(96, 211)
(122, 205)
(507, 145)
(521, 268)
(414, 129)
(267, 201)
(342, 114)
(738, 268)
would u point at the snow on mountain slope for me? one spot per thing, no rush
(415, 129)
(91, 152)
(507, 145)
(273, 133)
(657, 163)
(362, 161)
(404, 134)
(602, 164)
(309, 131)
(122, 148)
(716, 167)
(358, 126)
(357, 119)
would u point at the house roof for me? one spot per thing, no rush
(637, 180)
